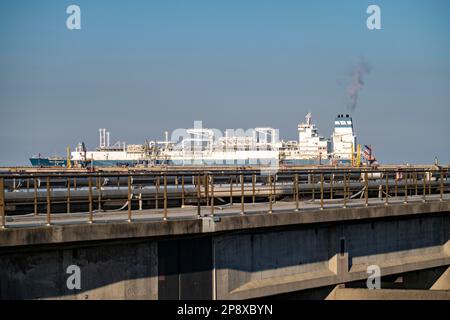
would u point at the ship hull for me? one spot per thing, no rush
(48, 162)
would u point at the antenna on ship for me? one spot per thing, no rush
(308, 118)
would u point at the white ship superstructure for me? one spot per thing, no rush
(343, 139)
(311, 147)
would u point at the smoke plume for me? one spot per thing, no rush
(358, 73)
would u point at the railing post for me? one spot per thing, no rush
(274, 184)
(345, 190)
(331, 185)
(396, 184)
(35, 196)
(212, 194)
(99, 190)
(182, 191)
(198, 196)
(321, 191)
(157, 182)
(68, 195)
(366, 187)
(313, 188)
(165, 197)
(231, 190)
(296, 192)
(49, 205)
(90, 219)
(442, 186)
(253, 188)
(424, 180)
(129, 197)
(415, 182)
(270, 193)
(242, 193)
(2, 204)
(430, 177)
(386, 203)
(206, 183)
(406, 188)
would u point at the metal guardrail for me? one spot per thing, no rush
(207, 188)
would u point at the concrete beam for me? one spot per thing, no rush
(340, 293)
(145, 229)
(291, 217)
(59, 234)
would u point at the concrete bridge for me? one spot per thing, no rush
(322, 250)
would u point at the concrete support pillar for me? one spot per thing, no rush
(338, 264)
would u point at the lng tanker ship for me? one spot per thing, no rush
(203, 146)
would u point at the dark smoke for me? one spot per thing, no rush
(358, 73)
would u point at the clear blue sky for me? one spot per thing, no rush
(141, 67)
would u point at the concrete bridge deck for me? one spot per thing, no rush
(228, 255)
(415, 204)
